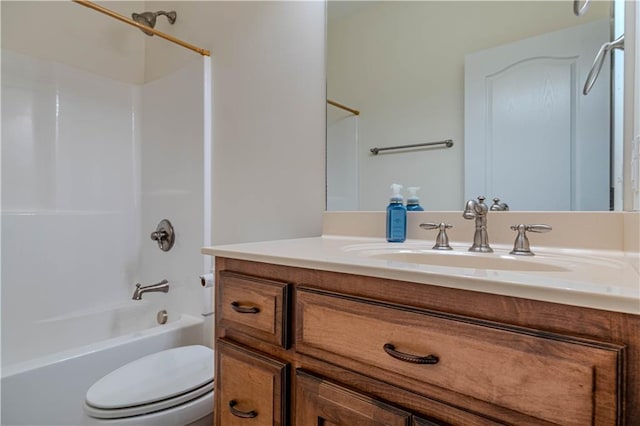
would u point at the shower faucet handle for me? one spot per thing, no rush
(164, 235)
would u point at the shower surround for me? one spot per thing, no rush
(90, 165)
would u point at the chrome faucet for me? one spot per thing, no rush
(162, 286)
(497, 206)
(478, 210)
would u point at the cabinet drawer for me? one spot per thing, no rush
(254, 306)
(553, 378)
(251, 389)
(321, 402)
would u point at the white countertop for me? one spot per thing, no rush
(604, 279)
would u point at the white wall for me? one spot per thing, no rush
(402, 65)
(68, 33)
(269, 94)
(269, 109)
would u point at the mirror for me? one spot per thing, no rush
(409, 71)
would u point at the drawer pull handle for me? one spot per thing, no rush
(414, 359)
(242, 414)
(244, 309)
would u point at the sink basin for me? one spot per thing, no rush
(475, 261)
(460, 259)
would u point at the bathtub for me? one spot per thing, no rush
(47, 370)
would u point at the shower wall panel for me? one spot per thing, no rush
(69, 190)
(342, 160)
(172, 185)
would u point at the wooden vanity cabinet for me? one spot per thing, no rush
(370, 351)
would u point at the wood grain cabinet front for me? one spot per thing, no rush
(321, 402)
(254, 306)
(367, 351)
(547, 377)
(251, 389)
(417, 421)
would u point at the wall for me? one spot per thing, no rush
(269, 92)
(402, 66)
(68, 33)
(269, 109)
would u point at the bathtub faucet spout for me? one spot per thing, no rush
(162, 286)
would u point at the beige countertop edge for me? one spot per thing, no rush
(567, 296)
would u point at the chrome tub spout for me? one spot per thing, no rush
(162, 286)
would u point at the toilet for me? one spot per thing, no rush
(171, 387)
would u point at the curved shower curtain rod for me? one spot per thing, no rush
(160, 34)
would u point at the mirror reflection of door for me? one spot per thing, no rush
(526, 120)
(617, 108)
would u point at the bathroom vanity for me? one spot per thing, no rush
(336, 330)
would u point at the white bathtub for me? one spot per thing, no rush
(45, 376)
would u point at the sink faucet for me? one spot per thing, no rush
(162, 286)
(497, 206)
(478, 210)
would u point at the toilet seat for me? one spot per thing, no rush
(153, 383)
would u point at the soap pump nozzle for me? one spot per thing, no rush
(412, 190)
(413, 202)
(396, 197)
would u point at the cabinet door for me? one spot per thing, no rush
(320, 402)
(251, 389)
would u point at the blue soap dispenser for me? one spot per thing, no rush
(413, 202)
(396, 216)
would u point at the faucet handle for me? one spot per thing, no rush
(442, 240)
(164, 235)
(521, 245)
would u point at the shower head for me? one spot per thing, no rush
(149, 19)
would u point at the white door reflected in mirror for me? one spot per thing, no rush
(526, 122)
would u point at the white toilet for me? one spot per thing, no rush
(173, 387)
